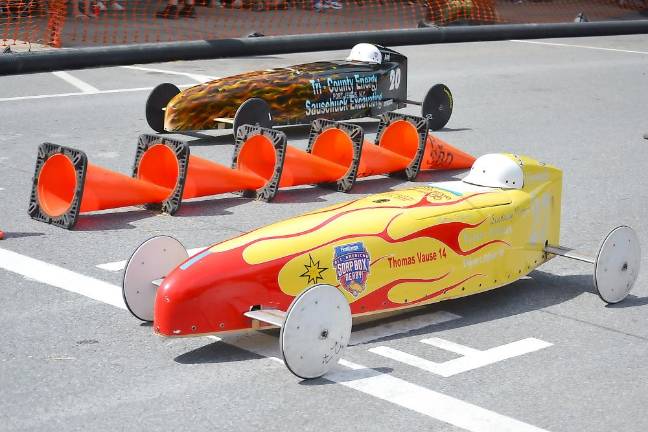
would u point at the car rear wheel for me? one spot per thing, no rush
(156, 105)
(254, 112)
(437, 106)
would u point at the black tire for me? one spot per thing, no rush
(157, 102)
(254, 112)
(437, 106)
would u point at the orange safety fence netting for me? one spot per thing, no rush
(103, 22)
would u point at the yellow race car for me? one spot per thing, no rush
(311, 274)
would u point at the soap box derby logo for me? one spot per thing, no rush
(351, 263)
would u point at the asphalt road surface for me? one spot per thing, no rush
(72, 358)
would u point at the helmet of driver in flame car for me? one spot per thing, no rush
(364, 52)
(496, 170)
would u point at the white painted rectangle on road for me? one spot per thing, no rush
(99, 92)
(76, 82)
(386, 387)
(61, 278)
(425, 401)
(470, 359)
(564, 45)
(197, 77)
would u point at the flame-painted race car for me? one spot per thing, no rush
(310, 275)
(371, 81)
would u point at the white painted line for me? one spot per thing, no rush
(451, 346)
(76, 82)
(473, 359)
(197, 77)
(61, 278)
(579, 46)
(59, 95)
(425, 401)
(401, 326)
(397, 391)
(119, 265)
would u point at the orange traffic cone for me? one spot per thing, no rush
(399, 147)
(441, 155)
(65, 184)
(331, 157)
(260, 152)
(167, 163)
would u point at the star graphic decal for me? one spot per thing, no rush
(313, 271)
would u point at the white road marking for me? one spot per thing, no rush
(401, 326)
(61, 278)
(397, 391)
(119, 265)
(76, 82)
(451, 346)
(471, 358)
(197, 77)
(579, 46)
(59, 95)
(425, 401)
(369, 381)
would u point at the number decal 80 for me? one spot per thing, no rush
(394, 79)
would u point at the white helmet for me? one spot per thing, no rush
(496, 170)
(365, 52)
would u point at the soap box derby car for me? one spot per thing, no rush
(311, 274)
(371, 81)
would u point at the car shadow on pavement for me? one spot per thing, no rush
(293, 133)
(343, 375)
(629, 302)
(205, 140)
(216, 352)
(538, 291)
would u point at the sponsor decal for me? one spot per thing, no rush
(483, 259)
(418, 258)
(313, 271)
(347, 93)
(438, 195)
(351, 263)
(346, 84)
(344, 103)
(495, 219)
(490, 232)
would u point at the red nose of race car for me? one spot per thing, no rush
(210, 292)
(177, 311)
(183, 297)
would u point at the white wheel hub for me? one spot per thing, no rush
(316, 331)
(617, 264)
